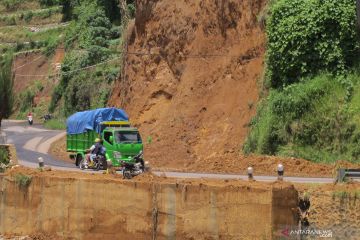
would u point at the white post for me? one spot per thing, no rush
(41, 162)
(280, 170)
(250, 172)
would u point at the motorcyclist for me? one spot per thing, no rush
(30, 118)
(95, 150)
(47, 117)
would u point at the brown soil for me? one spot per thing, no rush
(192, 107)
(334, 207)
(196, 109)
(85, 206)
(37, 236)
(29, 66)
(147, 177)
(231, 163)
(58, 150)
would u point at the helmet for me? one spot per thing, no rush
(97, 140)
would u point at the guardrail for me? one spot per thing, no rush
(344, 174)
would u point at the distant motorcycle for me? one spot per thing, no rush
(30, 120)
(47, 117)
(99, 162)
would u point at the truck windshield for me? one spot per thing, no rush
(127, 137)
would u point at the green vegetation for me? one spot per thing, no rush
(91, 36)
(23, 181)
(6, 87)
(30, 16)
(4, 158)
(342, 195)
(55, 124)
(312, 107)
(307, 36)
(25, 100)
(89, 40)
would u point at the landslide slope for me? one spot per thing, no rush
(195, 94)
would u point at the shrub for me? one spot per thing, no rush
(307, 36)
(55, 124)
(10, 21)
(11, 4)
(274, 123)
(48, 3)
(4, 158)
(28, 16)
(23, 181)
(26, 99)
(51, 46)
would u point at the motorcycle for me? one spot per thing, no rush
(99, 162)
(30, 120)
(133, 168)
(47, 117)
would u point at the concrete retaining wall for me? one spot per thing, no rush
(106, 209)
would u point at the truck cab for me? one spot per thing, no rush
(121, 143)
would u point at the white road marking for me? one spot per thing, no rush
(33, 143)
(45, 146)
(20, 129)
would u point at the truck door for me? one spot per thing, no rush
(109, 144)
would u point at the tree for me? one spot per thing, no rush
(6, 87)
(358, 13)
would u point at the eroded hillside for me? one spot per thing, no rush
(194, 89)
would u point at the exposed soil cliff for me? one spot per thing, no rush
(31, 73)
(334, 208)
(196, 91)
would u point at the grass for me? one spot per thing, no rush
(18, 34)
(35, 17)
(316, 119)
(14, 34)
(23, 6)
(23, 181)
(4, 158)
(55, 124)
(346, 195)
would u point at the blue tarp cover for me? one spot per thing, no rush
(81, 122)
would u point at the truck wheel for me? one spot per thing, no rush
(78, 160)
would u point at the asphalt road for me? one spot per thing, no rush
(32, 142)
(29, 142)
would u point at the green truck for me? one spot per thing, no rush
(122, 142)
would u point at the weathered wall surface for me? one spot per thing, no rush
(116, 209)
(335, 208)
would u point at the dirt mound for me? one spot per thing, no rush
(234, 163)
(16, 172)
(195, 93)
